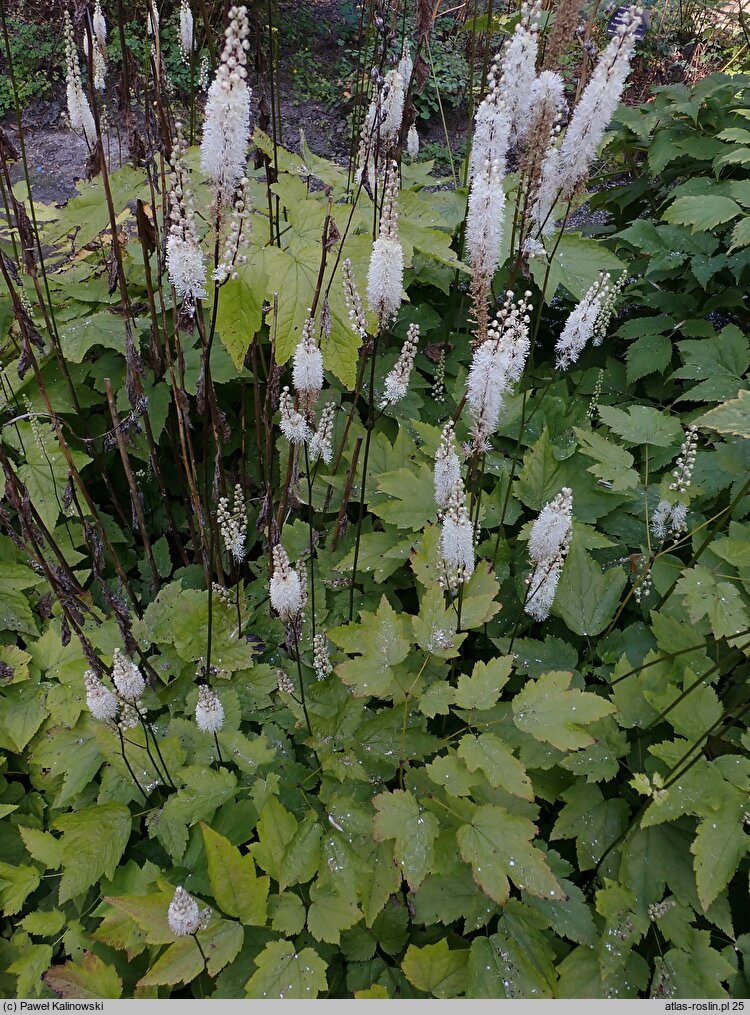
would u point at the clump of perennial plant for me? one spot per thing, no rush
(397, 381)
(79, 111)
(548, 546)
(233, 524)
(209, 711)
(226, 131)
(285, 588)
(385, 278)
(186, 262)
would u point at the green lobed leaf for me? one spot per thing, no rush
(282, 972)
(497, 844)
(550, 711)
(93, 841)
(436, 969)
(400, 817)
(235, 885)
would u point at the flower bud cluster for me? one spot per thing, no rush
(79, 112)
(186, 263)
(321, 442)
(321, 662)
(397, 380)
(233, 524)
(353, 299)
(683, 472)
(233, 256)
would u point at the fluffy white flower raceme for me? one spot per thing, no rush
(183, 913)
(548, 192)
(518, 62)
(79, 112)
(100, 68)
(209, 711)
(547, 100)
(101, 703)
(457, 539)
(485, 220)
(597, 105)
(186, 263)
(491, 136)
(668, 520)
(385, 278)
(226, 131)
(126, 677)
(285, 588)
(412, 142)
(405, 64)
(293, 424)
(587, 321)
(307, 369)
(579, 328)
(99, 25)
(393, 106)
(548, 547)
(447, 467)
(497, 365)
(186, 31)
(397, 380)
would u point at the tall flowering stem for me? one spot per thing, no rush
(226, 132)
(79, 112)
